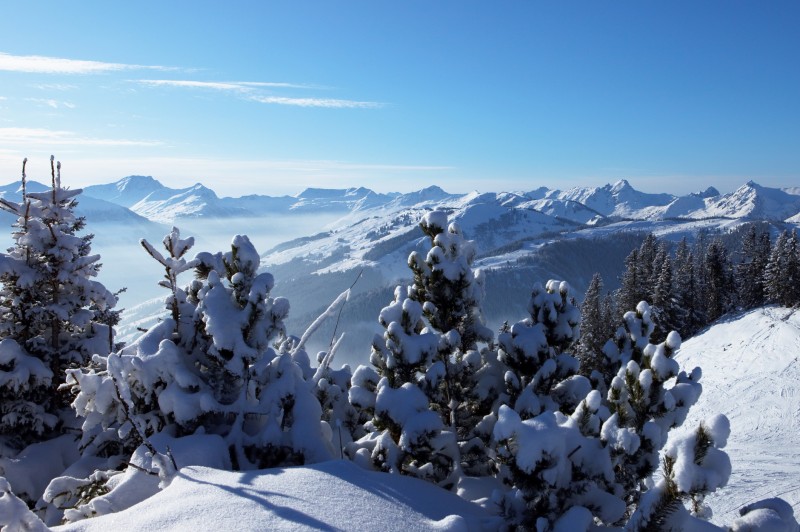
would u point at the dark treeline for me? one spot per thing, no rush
(689, 286)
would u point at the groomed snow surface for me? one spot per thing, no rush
(751, 373)
(335, 495)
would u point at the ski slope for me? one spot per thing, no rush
(751, 373)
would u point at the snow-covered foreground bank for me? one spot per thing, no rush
(335, 495)
(751, 373)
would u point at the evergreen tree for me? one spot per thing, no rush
(406, 433)
(594, 458)
(225, 366)
(540, 370)
(630, 291)
(774, 279)
(642, 408)
(791, 272)
(750, 270)
(460, 379)
(665, 309)
(593, 328)
(718, 284)
(451, 293)
(648, 265)
(53, 314)
(689, 319)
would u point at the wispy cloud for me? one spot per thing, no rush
(49, 137)
(236, 86)
(58, 65)
(49, 102)
(54, 86)
(317, 102)
(250, 90)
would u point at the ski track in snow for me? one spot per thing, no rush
(751, 373)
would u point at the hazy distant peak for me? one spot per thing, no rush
(539, 193)
(433, 189)
(359, 192)
(321, 193)
(710, 192)
(138, 181)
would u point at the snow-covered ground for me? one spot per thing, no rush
(336, 495)
(751, 373)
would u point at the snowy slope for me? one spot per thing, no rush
(336, 495)
(751, 373)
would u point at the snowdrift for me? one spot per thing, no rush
(335, 495)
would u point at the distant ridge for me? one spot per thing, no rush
(146, 196)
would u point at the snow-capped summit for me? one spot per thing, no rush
(618, 200)
(754, 201)
(127, 191)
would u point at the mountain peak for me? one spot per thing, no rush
(621, 185)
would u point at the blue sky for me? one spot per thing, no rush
(272, 97)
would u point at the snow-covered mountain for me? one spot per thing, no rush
(318, 241)
(584, 205)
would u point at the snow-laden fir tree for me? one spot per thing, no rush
(540, 373)
(692, 467)
(643, 409)
(595, 331)
(589, 464)
(432, 345)
(54, 315)
(666, 310)
(405, 434)
(219, 364)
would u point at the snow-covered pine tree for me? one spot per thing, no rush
(214, 369)
(589, 348)
(642, 409)
(665, 309)
(53, 314)
(540, 373)
(450, 293)
(531, 436)
(405, 435)
(431, 344)
(588, 466)
(693, 466)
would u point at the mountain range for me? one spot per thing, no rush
(317, 242)
(149, 198)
